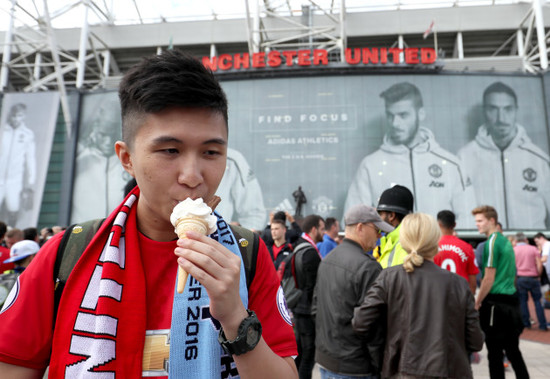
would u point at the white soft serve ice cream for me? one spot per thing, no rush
(194, 209)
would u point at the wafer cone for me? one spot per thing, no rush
(184, 225)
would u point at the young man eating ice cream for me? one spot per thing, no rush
(115, 316)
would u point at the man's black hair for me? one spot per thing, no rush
(329, 221)
(499, 87)
(403, 91)
(172, 79)
(310, 222)
(539, 235)
(279, 215)
(30, 234)
(447, 219)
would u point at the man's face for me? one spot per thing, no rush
(176, 154)
(385, 216)
(369, 236)
(317, 233)
(278, 232)
(402, 118)
(334, 229)
(500, 115)
(539, 242)
(483, 224)
(16, 118)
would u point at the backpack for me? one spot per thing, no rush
(77, 237)
(7, 281)
(290, 272)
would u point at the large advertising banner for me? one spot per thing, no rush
(27, 127)
(456, 141)
(99, 179)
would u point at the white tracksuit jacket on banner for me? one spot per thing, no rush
(17, 158)
(516, 180)
(241, 195)
(434, 175)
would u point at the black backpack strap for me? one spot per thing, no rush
(297, 262)
(73, 243)
(249, 243)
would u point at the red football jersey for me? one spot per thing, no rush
(26, 333)
(456, 256)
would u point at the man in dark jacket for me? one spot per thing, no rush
(314, 229)
(343, 279)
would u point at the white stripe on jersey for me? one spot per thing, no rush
(491, 243)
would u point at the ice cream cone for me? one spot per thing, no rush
(184, 225)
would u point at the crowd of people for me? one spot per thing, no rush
(396, 297)
(380, 305)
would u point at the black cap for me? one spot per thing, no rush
(397, 199)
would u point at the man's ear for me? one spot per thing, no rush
(124, 156)
(421, 114)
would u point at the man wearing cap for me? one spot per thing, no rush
(409, 154)
(21, 255)
(347, 271)
(394, 204)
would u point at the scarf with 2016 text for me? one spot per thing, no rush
(101, 323)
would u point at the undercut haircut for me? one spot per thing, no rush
(499, 87)
(488, 211)
(310, 222)
(172, 79)
(447, 219)
(403, 91)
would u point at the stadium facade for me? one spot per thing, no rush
(306, 110)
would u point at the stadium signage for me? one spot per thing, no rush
(412, 56)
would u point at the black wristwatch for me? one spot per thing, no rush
(248, 336)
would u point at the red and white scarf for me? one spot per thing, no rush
(94, 331)
(101, 323)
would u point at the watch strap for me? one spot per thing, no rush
(250, 327)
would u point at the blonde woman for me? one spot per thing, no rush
(428, 313)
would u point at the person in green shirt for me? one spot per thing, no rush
(497, 299)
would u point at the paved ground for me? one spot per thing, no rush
(534, 345)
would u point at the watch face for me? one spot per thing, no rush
(252, 335)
